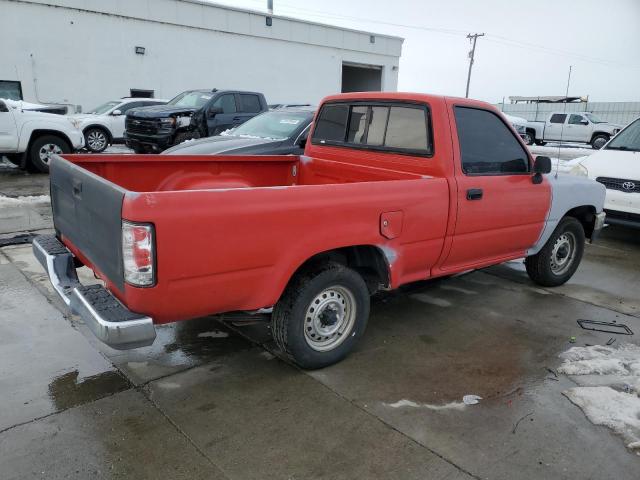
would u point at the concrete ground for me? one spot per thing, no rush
(213, 400)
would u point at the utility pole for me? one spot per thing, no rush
(473, 37)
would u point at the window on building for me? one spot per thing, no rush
(11, 89)
(487, 145)
(250, 103)
(558, 118)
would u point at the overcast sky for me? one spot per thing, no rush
(527, 51)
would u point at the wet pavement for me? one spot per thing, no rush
(213, 400)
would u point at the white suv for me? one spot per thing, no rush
(104, 125)
(617, 167)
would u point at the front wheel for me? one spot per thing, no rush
(96, 140)
(528, 138)
(558, 260)
(321, 315)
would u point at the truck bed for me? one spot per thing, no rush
(162, 173)
(231, 230)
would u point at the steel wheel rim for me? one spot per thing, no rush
(329, 318)
(47, 150)
(563, 253)
(96, 140)
(599, 143)
(527, 139)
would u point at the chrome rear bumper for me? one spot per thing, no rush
(108, 319)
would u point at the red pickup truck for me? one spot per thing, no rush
(392, 188)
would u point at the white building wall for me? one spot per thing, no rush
(83, 51)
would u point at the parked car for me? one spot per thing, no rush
(192, 114)
(392, 188)
(104, 125)
(617, 167)
(29, 138)
(277, 106)
(580, 127)
(278, 132)
(520, 126)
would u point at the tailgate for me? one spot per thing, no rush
(87, 211)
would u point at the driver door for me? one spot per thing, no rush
(500, 212)
(222, 114)
(8, 129)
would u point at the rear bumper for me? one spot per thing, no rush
(107, 318)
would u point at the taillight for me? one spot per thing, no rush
(138, 254)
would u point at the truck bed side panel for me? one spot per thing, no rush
(87, 214)
(237, 249)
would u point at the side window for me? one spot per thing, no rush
(331, 124)
(128, 106)
(558, 118)
(250, 103)
(227, 102)
(487, 146)
(575, 119)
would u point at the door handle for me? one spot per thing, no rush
(76, 188)
(236, 119)
(474, 194)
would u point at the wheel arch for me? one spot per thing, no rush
(599, 133)
(40, 132)
(585, 214)
(368, 260)
(101, 127)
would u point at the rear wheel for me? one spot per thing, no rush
(321, 315)
(43, 149)
(560, 257)
(598, 141)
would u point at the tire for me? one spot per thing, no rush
(41, 150)
(299, 327)
(529, 138)
(560, 257)
(599, 140)
(139, 150)
(540, 143)
(96, 139)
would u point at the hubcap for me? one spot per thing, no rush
(329, 318)
(47, 151)
(96, 140)
(563, 253)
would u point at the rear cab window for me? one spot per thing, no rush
(487, 145)
(393, 127)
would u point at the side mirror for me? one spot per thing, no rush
(542, 165)
(213, 111)
(116, 113)
(584, 122)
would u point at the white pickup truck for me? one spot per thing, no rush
(581, 127)
(29, 138)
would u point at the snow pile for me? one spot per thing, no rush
(613, 399)
(33, 200)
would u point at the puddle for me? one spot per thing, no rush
(67, 391)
